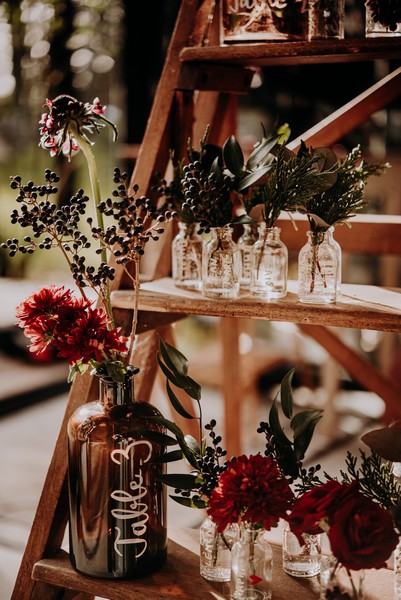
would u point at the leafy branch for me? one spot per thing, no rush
(288, 453)
(195, 488)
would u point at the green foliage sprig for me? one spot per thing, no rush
(288, 453)
(338, 202)
(375, 477)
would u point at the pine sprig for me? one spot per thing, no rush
(339, 202)
(375, 477)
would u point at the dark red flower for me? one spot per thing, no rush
(251, 489)
(41, 334)
(45, 303)
(362, 534)
(317, 505)
(90, 339)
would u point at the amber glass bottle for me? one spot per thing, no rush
(117, 523)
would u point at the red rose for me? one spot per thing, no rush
(317, 505)
(362, 534)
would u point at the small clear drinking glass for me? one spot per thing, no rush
(301, 560)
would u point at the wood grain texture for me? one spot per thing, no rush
(359, 306)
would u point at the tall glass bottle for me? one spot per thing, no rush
(187, 257)
(251, 566)
(318, 269)
(245, 244)
(269, 265)
(221, 265)
(117, 507)
(326, 19)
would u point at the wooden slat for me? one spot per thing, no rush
(359, 306)
(235, 80)
(351, 115)
(295, 52)
(232, 385)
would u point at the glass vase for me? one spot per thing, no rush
(186, 257)
(215, 550)
(221, 265)
(251, 566)
(376, 28)
(117, 507)
(339, 583)
(269, 265)
(301, 560)
(245, 244)
(262, 20)
(326, 19)
(318, 269)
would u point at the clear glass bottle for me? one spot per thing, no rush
(221, 265)
(301, 560)
(245, 244)
(336, 581)
(215, 550)
(318, 269)
(117, 507)
(269, 265)
(251, 566)
(186, 257)
(325, 19)
(374, 28)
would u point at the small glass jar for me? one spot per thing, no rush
(221, 265)
(186, 257)
(245, 244)
(325, 19)
(251, 566)
(269, 265)
(338, 582)
(318, 269)
(375, 28)
(301, 560)
(215, 550)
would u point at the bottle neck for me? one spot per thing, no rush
(221, 233)
(112, 393)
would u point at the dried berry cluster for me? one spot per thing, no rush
(208, 195)
(137, 222)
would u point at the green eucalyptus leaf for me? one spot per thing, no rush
(302, 441)
(386, 442)
(286, 394)
(253, 177)
(216, 169)
(192, 443)
(176, 403)
(168, 457)
(275, 424)
(184, 382)
(190, 502)
(301, 421)
(192, 388)
(170, 425)
(183, 481)
(173, 358)
(261, 153)
(233, 156)
(157, 437)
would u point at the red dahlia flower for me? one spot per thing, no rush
(90, 339)
(251, 489)
(43, 304)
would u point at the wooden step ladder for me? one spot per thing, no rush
(199, 86)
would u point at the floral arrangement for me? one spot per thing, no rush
(85, 335)
(385, 12)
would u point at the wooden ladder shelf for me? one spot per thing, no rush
(198, 87)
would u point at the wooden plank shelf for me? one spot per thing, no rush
(277, 53)
(358, 306)
(180, 578)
